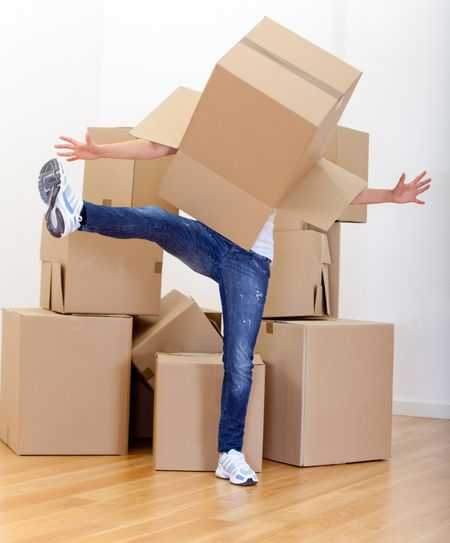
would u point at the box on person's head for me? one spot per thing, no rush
(257, 133)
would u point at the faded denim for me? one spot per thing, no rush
(242, 276)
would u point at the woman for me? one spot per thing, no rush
(242, 275)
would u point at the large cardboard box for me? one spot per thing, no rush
(286, 222)
(65, 383)
(187, 412)
(258, 132)
(130, 183)
(181, 326)
(299, 284)
(90, 273)
(349, 148)
(328, 390)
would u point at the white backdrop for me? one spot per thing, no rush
(108, 63)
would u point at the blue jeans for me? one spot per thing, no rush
(242, 276)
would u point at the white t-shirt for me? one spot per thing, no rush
(264, 242)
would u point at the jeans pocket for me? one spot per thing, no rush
(262, 263)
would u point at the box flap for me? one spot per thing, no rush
(319, 300)
(168, 122)
(322, 195)
(46, 282)
(56, 296)
(326, 287)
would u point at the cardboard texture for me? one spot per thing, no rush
(180, 327)
(129, 183)
(286, 222)
(328, 390)
(53, 367)
(299, 282)
(261, 124)
(168, 123)
(187, 412)
(349, 149)
(90, 273)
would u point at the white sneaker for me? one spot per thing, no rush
(232, 466)
(64, 203)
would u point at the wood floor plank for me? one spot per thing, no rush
(122, 499)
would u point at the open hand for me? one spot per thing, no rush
(404, 193)
(79, 150)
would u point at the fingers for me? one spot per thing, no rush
(419, 201)
(401, 181)
(64, 146)
(423, 189)
(70, 140)
(423, 183)
(419, 177)
(88, 138)
(72, 159)
(67, 154)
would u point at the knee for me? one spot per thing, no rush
(238, 364)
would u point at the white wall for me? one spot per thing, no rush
(108, 63)
(396, 267)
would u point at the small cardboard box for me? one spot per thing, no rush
(328, 390)
(129, 183)
(299, 284)
(256, 136)
(90, 273)
(180, 327)
(349, 148)
(187, 412)
(65, 386)
(286, 222)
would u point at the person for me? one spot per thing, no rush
(242, 275)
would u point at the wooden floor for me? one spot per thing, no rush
(112, 499)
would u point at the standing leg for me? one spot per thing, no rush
(243, 282)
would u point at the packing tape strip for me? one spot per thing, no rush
(292, 68)
(269, 327)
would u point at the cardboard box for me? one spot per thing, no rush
(90, 273)
(349, 148)
(286, 222)
(141, 407)
(299, 284)
(187, 412)
(180, 327)
(214, 316)
(256, 134)
(168, 122)
(53, 368)
(130, 183)
(328, 390)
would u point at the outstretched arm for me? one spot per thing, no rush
(402, 193)
(133, 149)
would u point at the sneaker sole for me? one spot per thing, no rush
(221, 475)
(49, 186)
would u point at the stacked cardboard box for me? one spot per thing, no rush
(263, 135)
(56, 359)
